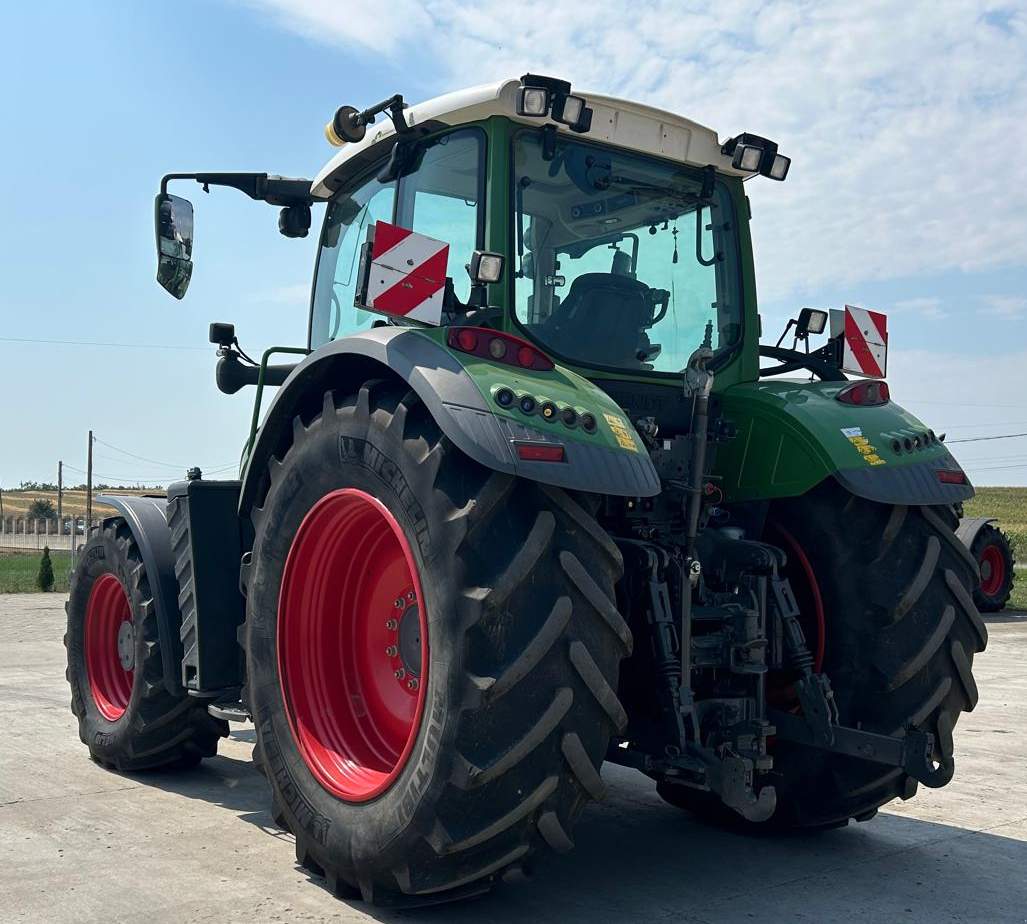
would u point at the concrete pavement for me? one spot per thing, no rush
(80, 844)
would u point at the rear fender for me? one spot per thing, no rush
(147, 518)
(457, 391)
(793, 435)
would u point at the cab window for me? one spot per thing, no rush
(440, 194)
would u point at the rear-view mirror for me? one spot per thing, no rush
(173, 217)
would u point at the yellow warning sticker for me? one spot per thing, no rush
(865, 448)
(621, 433)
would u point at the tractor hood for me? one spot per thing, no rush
(793, 435)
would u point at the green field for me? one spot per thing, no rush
(1010, 506)
(18, 571)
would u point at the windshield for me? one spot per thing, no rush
(620, 262)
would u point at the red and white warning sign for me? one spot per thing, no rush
(864, 340)
(407, 274)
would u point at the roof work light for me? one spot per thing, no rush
(540, 96)
(754, 154)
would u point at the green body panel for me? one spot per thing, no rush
(561, 386)
(793, 435)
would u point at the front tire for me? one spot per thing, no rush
(495, 756)
(126, 715)
(993, 553)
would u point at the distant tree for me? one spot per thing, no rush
(44, 580)
(42, 508)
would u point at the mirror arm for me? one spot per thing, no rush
(275, 190)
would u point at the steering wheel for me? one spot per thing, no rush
(791, 360)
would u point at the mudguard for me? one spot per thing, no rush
(457, 391)
(148, 520)
(793, 435)
(969, 527)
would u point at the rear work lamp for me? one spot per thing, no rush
(539, 97)
(755, 154)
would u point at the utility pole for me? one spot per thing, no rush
(89, 485)
(60, 495)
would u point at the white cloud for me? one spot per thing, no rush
(1007, 307)
(897, 116)
(929, 307)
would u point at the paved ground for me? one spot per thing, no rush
(79, 844)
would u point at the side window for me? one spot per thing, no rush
(442, 198)
(345, 230)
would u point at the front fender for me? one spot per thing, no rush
(147, 518)
(457, 390)
(793, 435)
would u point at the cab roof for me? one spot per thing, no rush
(623, 123)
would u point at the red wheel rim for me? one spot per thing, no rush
(352, 644)
(109, 682)
(811, 615)
(993, 570)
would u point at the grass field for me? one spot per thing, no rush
(16, 503)
(1010, 506)
(18, 571)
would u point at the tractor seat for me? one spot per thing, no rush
(601, 320)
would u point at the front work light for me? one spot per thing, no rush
(485, 267)
(533, 101)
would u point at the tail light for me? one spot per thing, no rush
(864, 394)
(540, 452)
(498, 347)
(949, 477)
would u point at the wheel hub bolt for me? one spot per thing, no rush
(392, 651)
(412, 683)
(399, 673)
(411, 596)
(400, 603)
(391, 624)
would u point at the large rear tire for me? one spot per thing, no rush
(901, 630)
(369, 515)
(126, 715)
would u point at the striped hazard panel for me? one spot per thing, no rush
(407, 274)
(864, 340)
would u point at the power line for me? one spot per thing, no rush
(906, 398)
(978, 439)
(95, 343)
(159, 462)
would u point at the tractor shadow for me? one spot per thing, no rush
(639, 860)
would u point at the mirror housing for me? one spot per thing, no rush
(173, 224)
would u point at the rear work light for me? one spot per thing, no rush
(540, 452)
(498, 347)
(864, 394)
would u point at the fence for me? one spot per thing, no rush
(25, 533)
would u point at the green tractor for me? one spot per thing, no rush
(527, 502)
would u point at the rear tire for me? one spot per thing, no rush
(901, 632)
(127, 718)
(523, 649)
(993, 553)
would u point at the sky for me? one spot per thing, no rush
(907, 193)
